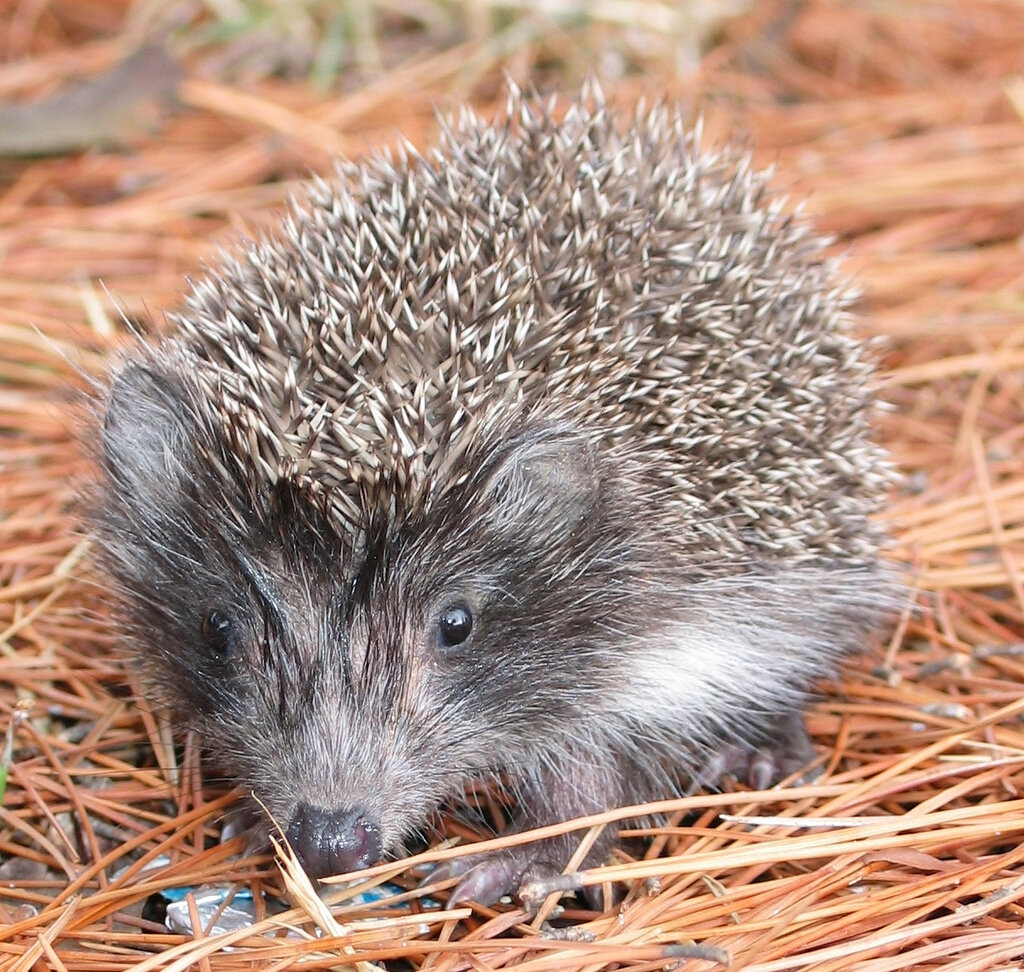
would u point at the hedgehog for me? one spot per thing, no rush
(544, 457)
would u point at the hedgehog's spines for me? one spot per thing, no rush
(530, 264)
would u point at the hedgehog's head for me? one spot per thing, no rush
(355, 682)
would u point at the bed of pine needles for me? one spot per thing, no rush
(902, 126)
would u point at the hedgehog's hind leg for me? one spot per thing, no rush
(784, 749)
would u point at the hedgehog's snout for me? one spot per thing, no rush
(333, 841)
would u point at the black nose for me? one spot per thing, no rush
(333, 841)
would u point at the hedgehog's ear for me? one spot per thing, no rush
(143, 430)
(549, 477)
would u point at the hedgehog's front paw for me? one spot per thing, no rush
(530, 872)
(576, 787)
(492, 876)
(485, 878)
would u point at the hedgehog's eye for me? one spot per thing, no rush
(218, 631)
(454, 625)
